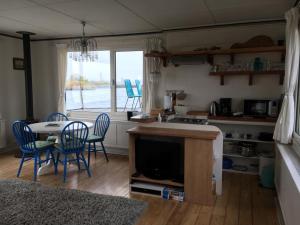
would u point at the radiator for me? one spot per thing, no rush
(2, 134)
(287, 185)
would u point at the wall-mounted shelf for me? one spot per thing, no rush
(251, 74)
(210, 53)
(250, 172)
(248, 140)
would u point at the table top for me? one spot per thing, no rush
(44, 128)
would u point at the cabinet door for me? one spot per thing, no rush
(122, 135)
(110, 138)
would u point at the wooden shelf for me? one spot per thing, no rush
(248, 140)
(248, 119)
(251, 172)
(153, 181)
(165, 56)
(235, 155)
(222, 74)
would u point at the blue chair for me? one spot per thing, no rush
(30, 147)
(57, 117)
(73, 140)
(130, 93)
(100, 129)
(139, 93)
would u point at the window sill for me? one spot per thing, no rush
(92, 115)
(292, 161)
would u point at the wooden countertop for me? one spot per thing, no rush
(177, 130)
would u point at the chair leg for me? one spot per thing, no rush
(56, 164)
(85, 164)
(47, 157)
(95, 150)
(36, 161)
(65, 167)
(141, 105)
(21, 165)
(77, 159)
(89, 154)
(125, 105)
(138, 101)
(133, 103)
(39, 160)
(104, 151)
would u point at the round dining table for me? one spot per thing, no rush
(53, 128)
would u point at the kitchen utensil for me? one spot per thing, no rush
(227, 163)
(213, 110)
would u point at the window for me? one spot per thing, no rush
(129, 66)
(89, 86)
(88, 83)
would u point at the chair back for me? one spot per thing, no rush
(129, 90)
(73, 137)
(101, 125)
(57, 117)
(138, 87)
(24, 137)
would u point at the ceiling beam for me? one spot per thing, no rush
(170, 30)
(10, 36)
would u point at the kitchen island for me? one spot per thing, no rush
(203, 148)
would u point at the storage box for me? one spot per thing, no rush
(173, 194)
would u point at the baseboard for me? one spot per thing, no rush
(9, 148)
(279, 212)
(117, 151)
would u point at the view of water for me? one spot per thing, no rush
(99, 98)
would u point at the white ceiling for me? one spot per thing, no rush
(61, 18)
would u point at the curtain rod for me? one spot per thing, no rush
(169, 30)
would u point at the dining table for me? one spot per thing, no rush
(54, 128)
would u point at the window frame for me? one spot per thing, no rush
(113, 86)
(296, 136)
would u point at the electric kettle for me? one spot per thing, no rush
(213, 110)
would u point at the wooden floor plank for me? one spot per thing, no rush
(243, 202)
(245, 213)
(233, 205)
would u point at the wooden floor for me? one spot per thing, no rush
(242, 203)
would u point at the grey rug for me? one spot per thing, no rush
(24, 202)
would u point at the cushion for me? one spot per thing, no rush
(52, 138)
(42, 144)
(93, 137)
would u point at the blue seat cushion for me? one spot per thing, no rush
(93, 137)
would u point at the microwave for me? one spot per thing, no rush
(261, 108)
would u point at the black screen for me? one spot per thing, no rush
(160, 159)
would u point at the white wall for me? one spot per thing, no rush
(201, 88)
(12, 86)
(44, 76)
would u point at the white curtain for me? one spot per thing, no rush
(152, 73)
(150, 84)
(62, 52)
(286, 121)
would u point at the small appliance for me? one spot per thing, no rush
(273, 108)
(213, 109)
(225, 106)
(261, 108)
